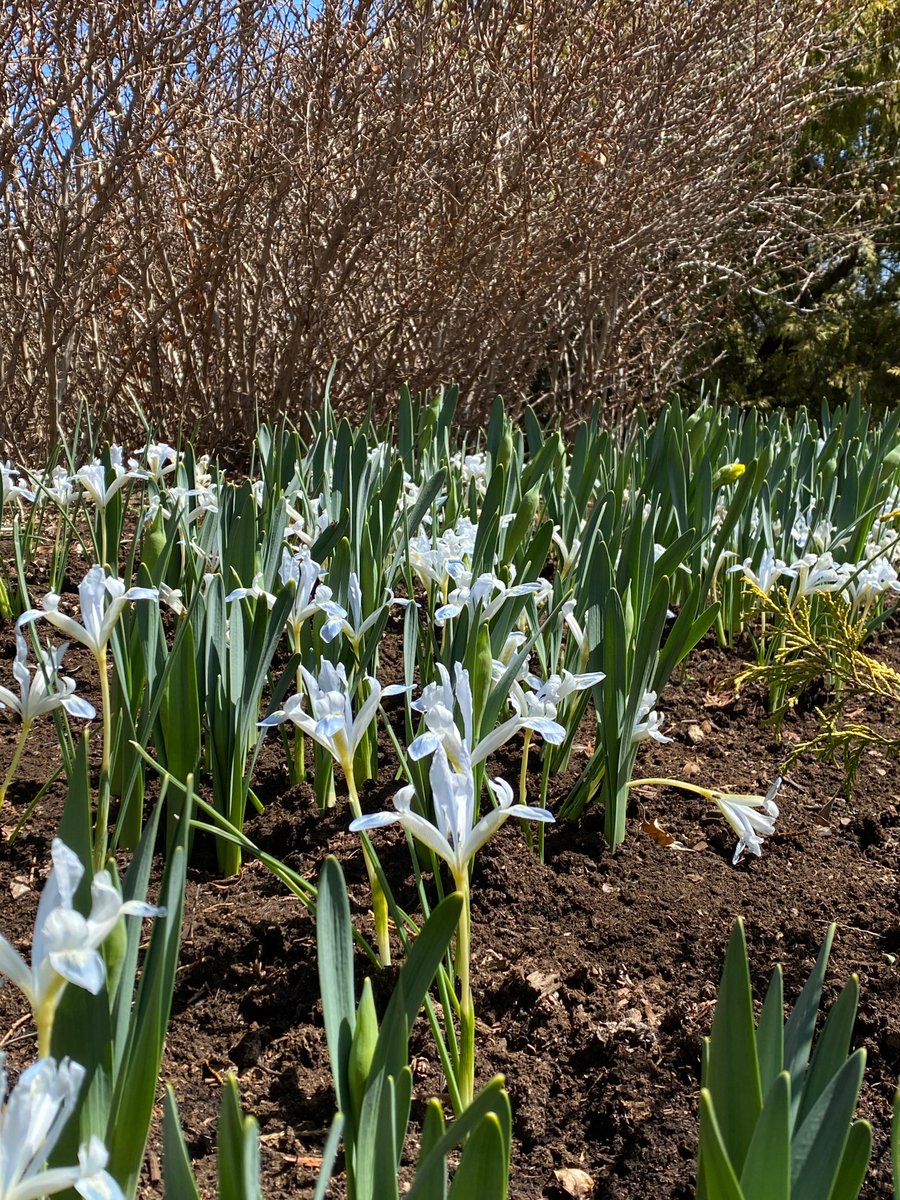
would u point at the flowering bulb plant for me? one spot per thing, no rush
(102, 599)
(333, 726)
(456, 835)
(751, 816)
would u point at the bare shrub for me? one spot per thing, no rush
(205, 205)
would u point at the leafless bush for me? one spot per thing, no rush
(205, 205)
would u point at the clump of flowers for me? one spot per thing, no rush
(65, 947)
(32, 1117)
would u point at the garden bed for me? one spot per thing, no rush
(594, 975)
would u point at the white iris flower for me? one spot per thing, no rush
(65, 946)
(751, 817)
(437, 703)
(331, 722)
(43, 690)
(770, 571)
(454, 835)
(31, 1119)
(102, 598)
(93, 480)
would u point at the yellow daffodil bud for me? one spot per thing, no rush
(730, 473)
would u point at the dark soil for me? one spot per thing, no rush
(595, 975)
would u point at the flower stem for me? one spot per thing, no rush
(466, 1079)
(299, 765)
(101, 830)
(545, 780)
(523, 771)
(298, 772)
(379, 900)
(16, 759)
(45, 1013)
(675, 783)
(523, 789)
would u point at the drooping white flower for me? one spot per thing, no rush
(102, 598)
(65, 947)
(43, 690)
(751, 817)
(454, 835)
(32, 1117)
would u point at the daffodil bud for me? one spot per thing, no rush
(630, 623)
(559, 467)
(481, 676)
(505, 449)
(730, 473)
(362, 1048)
(524, 519)
(430, 416)
(829, 467)
(154, 543)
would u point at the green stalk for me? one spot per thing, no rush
(5, 610)
(16, 759)
(466, 1003)
(674, 783)
(44, 1016)
(523, 789)
(101, 831)
(228, 853)
(379, 900)
(299, 762)
(523, 771)
(545, 782)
